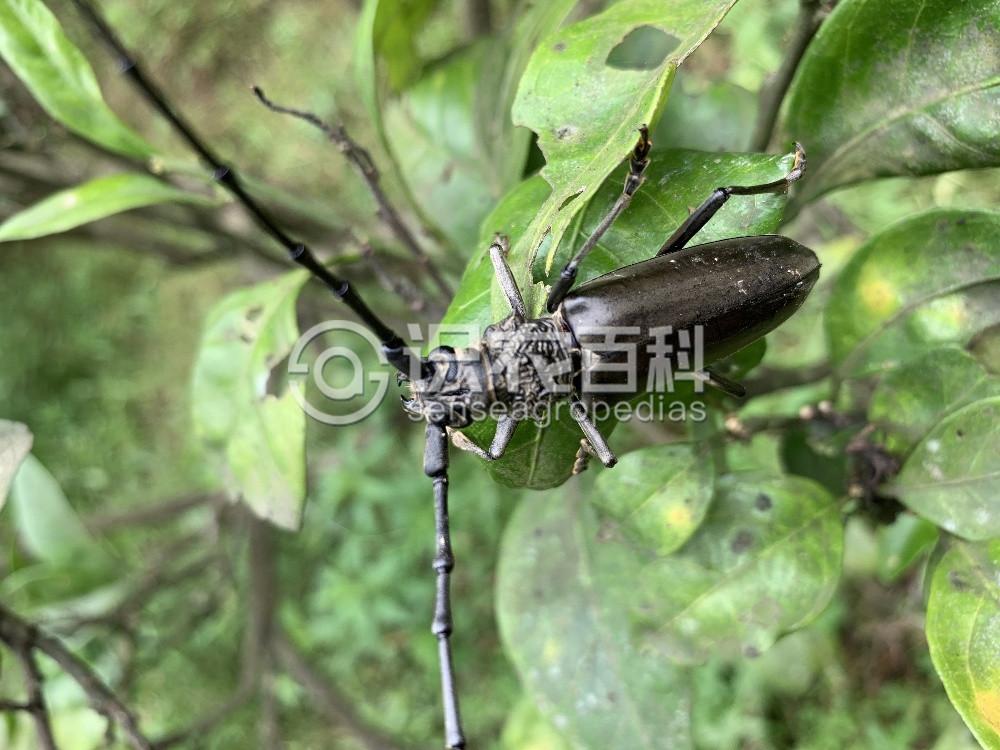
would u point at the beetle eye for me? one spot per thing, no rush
(444, 357)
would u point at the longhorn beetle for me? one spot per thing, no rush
(734, 290)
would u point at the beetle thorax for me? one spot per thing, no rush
(529, 363)
(518, 367)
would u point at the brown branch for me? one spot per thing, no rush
(363, 163)
(772, 94)
(14, 631)
(325, 698)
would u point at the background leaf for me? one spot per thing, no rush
(925, 282)
(562, 595)
(898, 88)
(259, 435)
(910, 400)
(58, 75)
(15, 442)
(659, 495)
(963, 628)
(952, 477)
(765, 562)
(47, 526)
(93, 200)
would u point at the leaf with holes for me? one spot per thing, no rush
(259, 436)
(765, 561)
(93, 200)
(15, 442)
(963, 629)
(659, 495)
(563, 592)
(898, 87)
(952, 476)
(923, 283)
(909, 401)
(59, 77)
(585, 93)
(676, 182)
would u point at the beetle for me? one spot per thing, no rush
(734, 291)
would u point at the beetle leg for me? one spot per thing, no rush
(498, 254)
(724, 384)
(436, 467)
(701, 215)
(583, 454)
(595, 440)
(638, 161)
(501, 439)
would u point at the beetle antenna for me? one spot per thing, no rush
(396, 351)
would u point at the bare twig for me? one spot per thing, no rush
(398, 286)
(772, 94)
(362, 161)
(14, 631)
(325, 698)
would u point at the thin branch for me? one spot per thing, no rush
(479, 17)
(150, 515)
(37, 707)
(325, 698)
(768, 380)
(14, 631)
(362, 161)
(772, 94)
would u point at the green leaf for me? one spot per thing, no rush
(46, 524)
(910, 400)
(766, 561)
(58, 75)
(923, 283)
(898, 88)
(258, 435)
(676, 181)
(585, 105)
(952, 477)
(527, 728)
(902, 543)
(386, 57)
(93, 200)
(963, 629)
(563, 592)
(450, 131)
(659, 495)
(439, 146)
(15, 442)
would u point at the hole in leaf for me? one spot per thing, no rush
(570, 199)
(254, 312)
(277, 378)
(643, 48)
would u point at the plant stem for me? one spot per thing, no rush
(772, 94)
